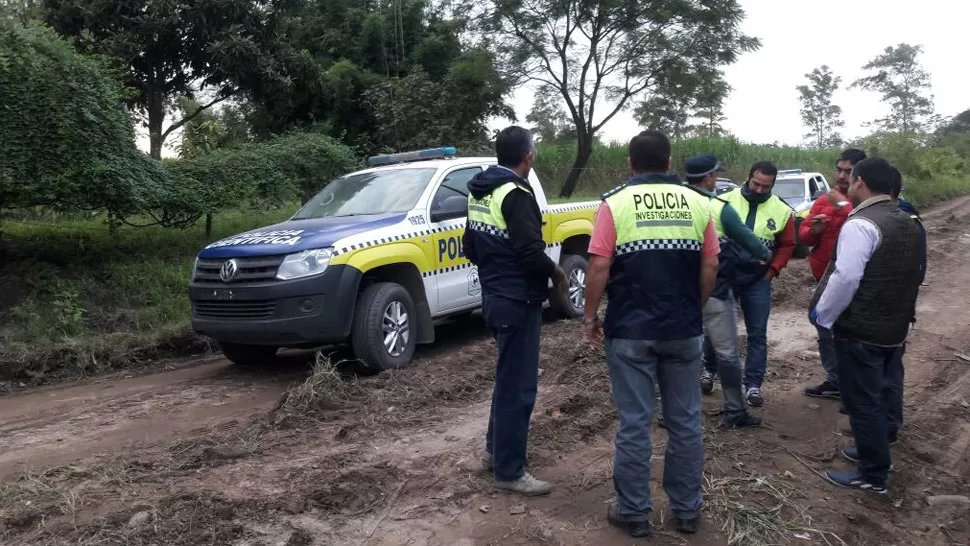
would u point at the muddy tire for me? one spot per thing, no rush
(384, 331)
(248, 355)
(573, 304)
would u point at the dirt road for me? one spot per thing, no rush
(205, 454)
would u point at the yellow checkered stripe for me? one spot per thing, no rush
(659, 244)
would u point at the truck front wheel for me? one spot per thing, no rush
(247, 355)
(573, 303)
(384, 329)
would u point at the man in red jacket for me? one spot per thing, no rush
(821, 231)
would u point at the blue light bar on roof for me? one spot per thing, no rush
(789, 171)
(404, 157)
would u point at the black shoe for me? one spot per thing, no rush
(825, 390)
(688, 526)
(853, 480)
(754, 397)
(707, 382)
(636, 529)
(746, 420)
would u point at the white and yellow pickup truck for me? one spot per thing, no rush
(374, 259)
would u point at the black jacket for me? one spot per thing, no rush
(518, 267)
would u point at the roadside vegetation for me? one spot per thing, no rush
(97, 238)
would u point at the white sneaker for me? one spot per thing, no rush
(527, 485)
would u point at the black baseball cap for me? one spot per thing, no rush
(702, 165)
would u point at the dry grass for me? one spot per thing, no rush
(325, 389)
(758, 510)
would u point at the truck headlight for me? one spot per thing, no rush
(304, 264)
(195, 269)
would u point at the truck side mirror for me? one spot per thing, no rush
(450, 208)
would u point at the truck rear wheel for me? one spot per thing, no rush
(247, 355)
(573, 304)
(384, 330)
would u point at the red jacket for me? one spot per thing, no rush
(824, 244)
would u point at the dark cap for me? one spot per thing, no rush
(703, 165)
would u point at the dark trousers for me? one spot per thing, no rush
(870, 379)
(516, 326)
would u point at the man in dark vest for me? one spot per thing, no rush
(867, 297)
(654, 251)
(504, 239)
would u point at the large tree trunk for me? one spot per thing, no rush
(584, 148)
(156, 117)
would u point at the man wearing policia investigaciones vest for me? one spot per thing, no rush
(656, 245)
(773, 221)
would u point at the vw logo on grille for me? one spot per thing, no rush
(229, 270)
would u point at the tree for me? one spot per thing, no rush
(66, 141)
(899, 77)
(709, 106)
(611, 50)
(818, 113)
(548, 119)
(170, 48)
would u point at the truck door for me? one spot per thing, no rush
(455, 276)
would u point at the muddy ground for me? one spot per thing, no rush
(207, 453)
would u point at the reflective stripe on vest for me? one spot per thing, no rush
(658, 217)
(770, 219)
(485, 214)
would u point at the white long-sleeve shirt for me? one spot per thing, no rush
(858, 239)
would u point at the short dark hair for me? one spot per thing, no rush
(764, 167)
(852, 155)
(897, 183)
(512, 144)
(650, 152)
(876, 173)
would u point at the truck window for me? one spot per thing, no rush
(455, 183)
(813, 186)
(789, 188)
(379, 192)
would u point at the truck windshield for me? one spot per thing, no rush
(378, 192)
(789, 188)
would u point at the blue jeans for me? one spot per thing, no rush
(755, 299)
(826, 352)
(516, 326)
(636, 368)
(871, 378)
(721, 336)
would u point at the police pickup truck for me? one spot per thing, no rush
(374, 259)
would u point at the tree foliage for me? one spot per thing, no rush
(65, 140)
(681, 98)
(612, 51)
(823, 118)
(898, 76)
(549, 122)
(170, 48)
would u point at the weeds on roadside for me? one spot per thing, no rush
(325, 389)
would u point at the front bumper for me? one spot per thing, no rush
(301, 312)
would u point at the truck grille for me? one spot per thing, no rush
(250, 270)
(234, 310)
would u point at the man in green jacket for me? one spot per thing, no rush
(720, 355)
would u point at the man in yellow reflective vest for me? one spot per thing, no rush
(503, 237)
(654, 250)
(773, 221)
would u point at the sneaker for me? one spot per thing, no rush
(754, 397)
(707, 382)
(746, 420)
(527, 485)
(854, 480)
(688, 526)
(825, 390)
(847, 432)
(636, 529)
(852, 453)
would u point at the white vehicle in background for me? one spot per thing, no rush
(799, 190)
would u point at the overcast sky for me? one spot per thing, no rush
(845, 35)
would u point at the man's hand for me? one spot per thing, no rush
(594, 331)
(561, 280)
(768, 260)
(770, 275)
(819, 222)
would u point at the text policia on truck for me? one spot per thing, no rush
(374, 259)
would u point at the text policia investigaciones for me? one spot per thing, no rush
(661, 206)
